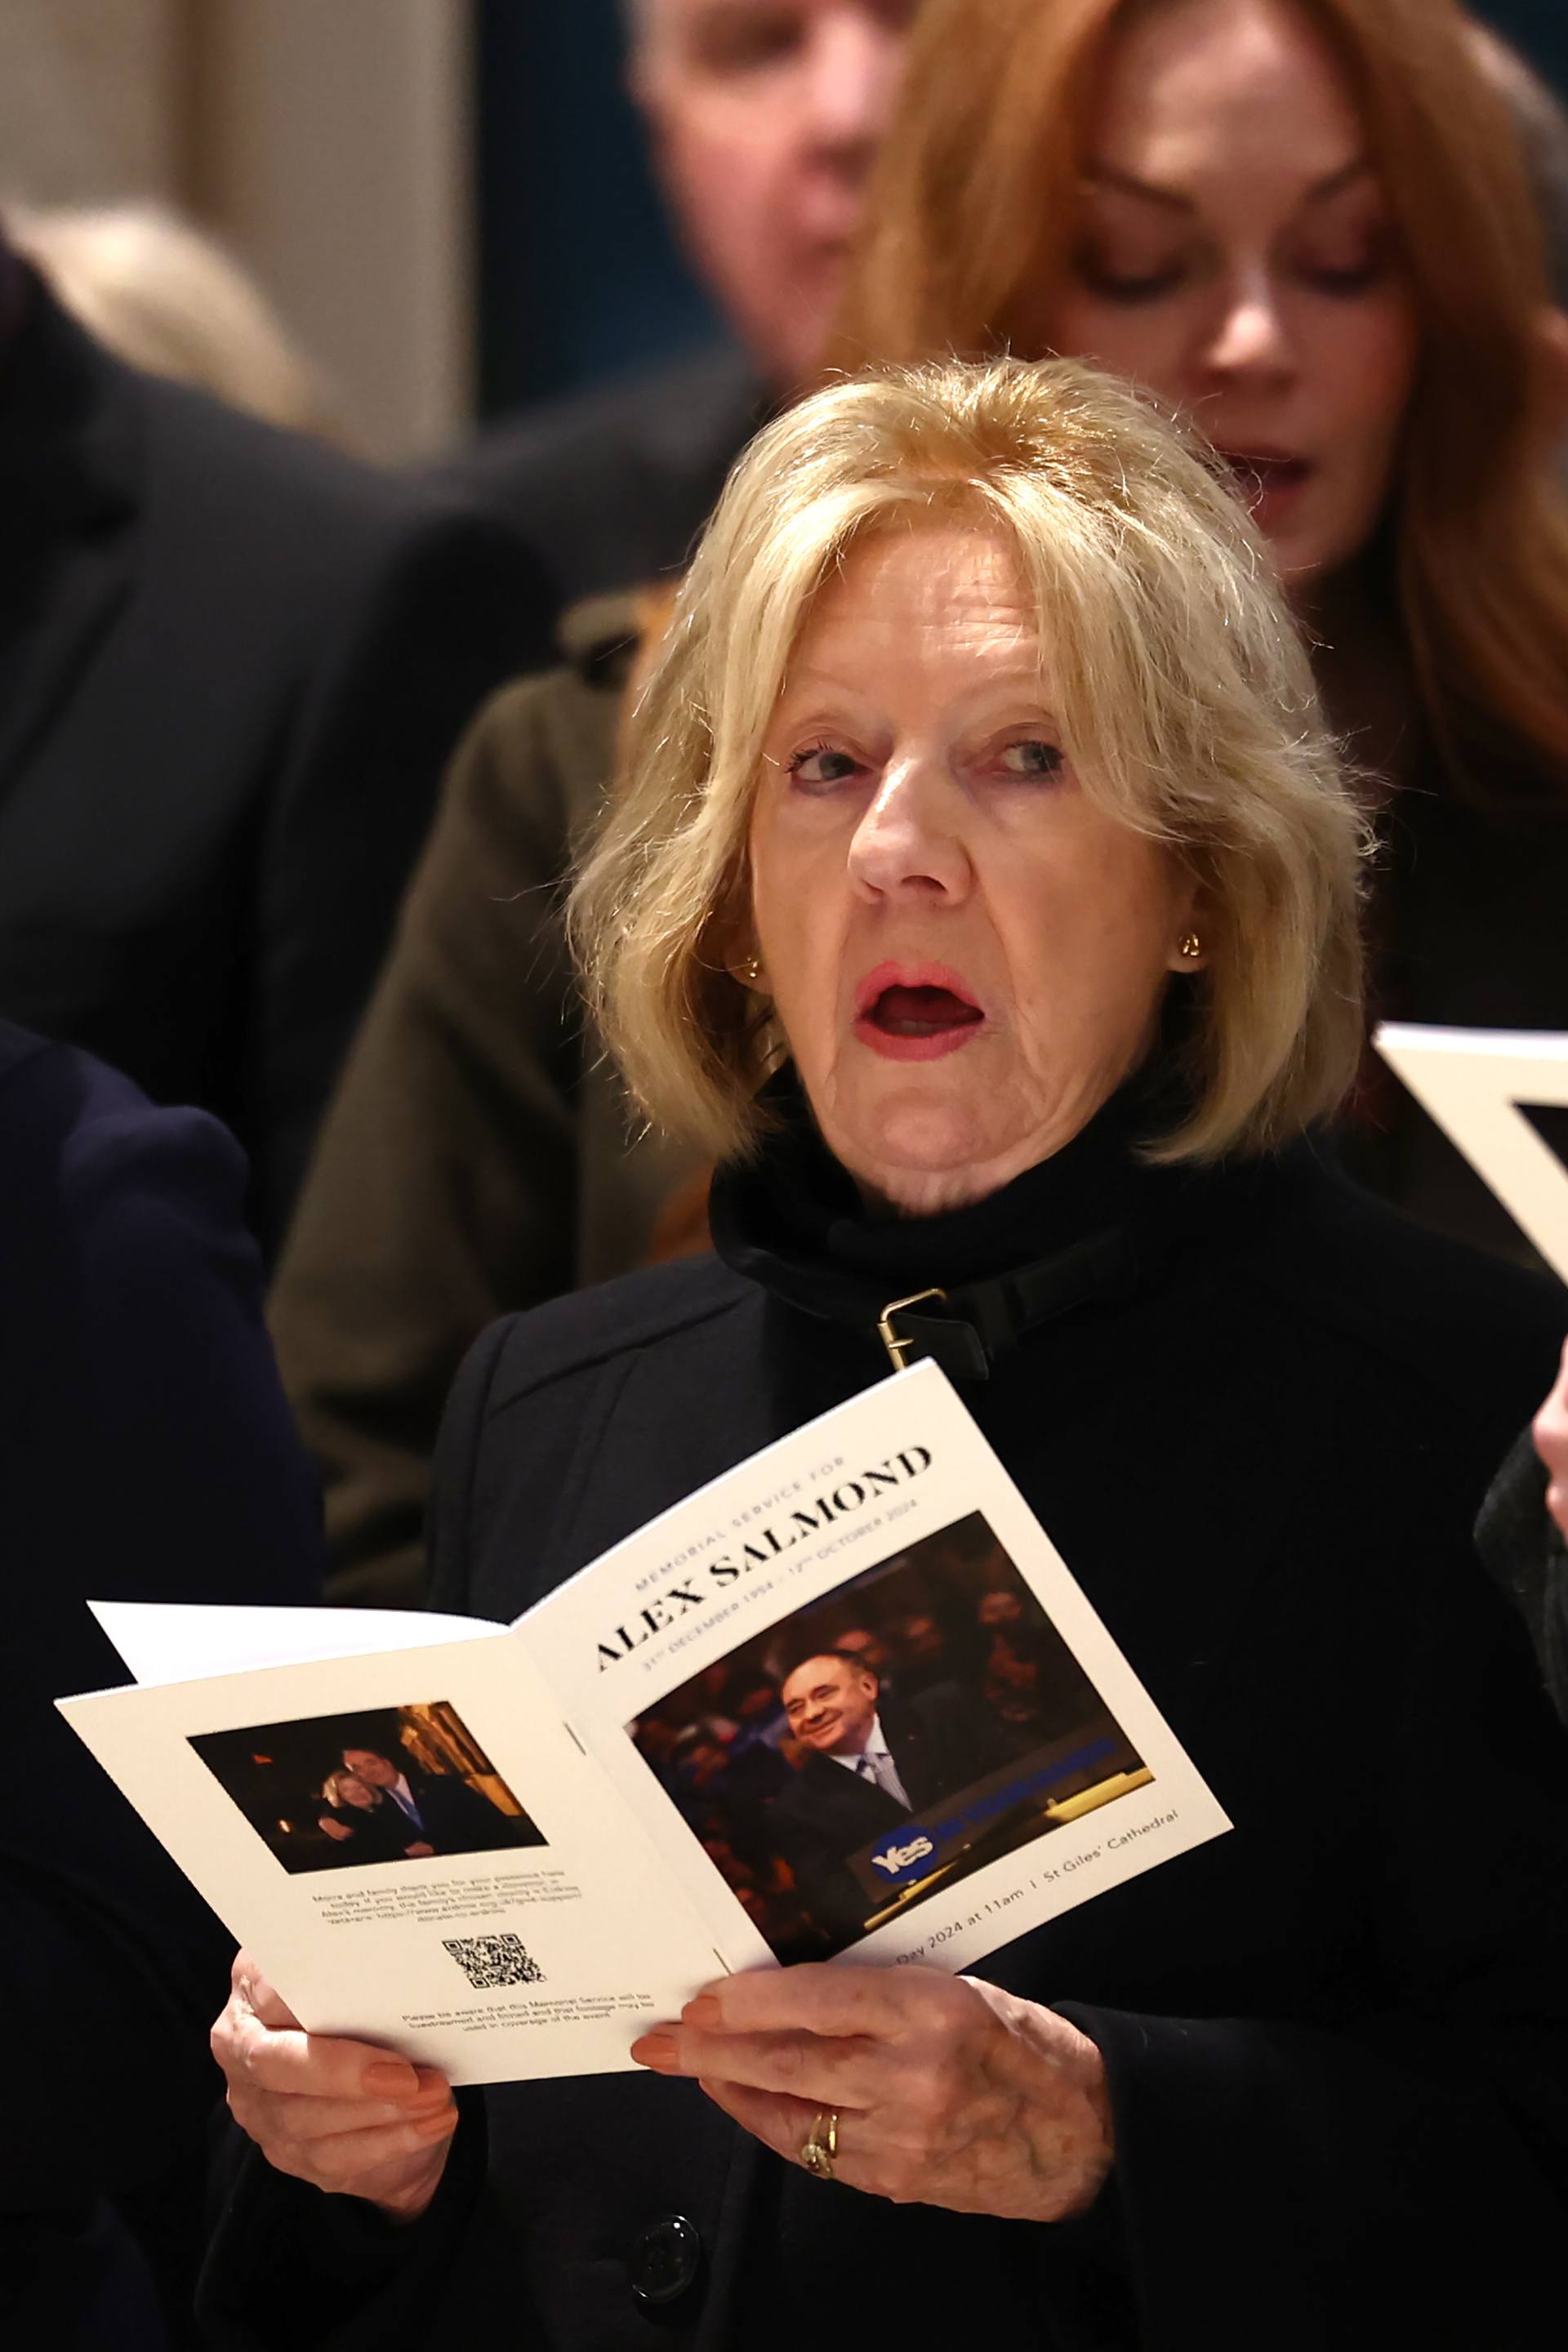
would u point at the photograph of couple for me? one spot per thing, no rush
(911, 1727)
(395, 1785)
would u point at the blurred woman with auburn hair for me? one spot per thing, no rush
(1309, 223)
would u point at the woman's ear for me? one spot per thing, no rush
(1189, 950)
(733, 938)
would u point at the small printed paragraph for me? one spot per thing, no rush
(487, 1896)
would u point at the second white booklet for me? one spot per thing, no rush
(845, 1701)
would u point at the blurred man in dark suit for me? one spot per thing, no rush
(232, 665)
(765, 117)
(861, 1777)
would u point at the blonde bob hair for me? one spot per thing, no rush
(1183, 695)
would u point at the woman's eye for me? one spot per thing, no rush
(1348, 264)
(1102, 277)
(1345, 279)
(823, 767)
(1032, 757)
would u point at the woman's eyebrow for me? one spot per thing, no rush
(1148, 191)
(1334, 183)
(1125, 184)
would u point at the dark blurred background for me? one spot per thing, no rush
(579, 277)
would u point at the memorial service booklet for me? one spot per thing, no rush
(845, 1702)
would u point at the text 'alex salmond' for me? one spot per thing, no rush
(769, 1543)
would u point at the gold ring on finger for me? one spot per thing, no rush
(819, 2149)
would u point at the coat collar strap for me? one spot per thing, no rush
(966, 1327)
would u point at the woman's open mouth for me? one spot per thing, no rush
(915, 1013)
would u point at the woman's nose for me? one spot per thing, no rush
(909, 841)
(1249, 338)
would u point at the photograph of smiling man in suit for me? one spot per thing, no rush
(915, 1723)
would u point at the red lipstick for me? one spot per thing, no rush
(916, 1012)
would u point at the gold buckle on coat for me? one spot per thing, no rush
(898, 1348)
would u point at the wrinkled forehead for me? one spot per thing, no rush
(907, 585)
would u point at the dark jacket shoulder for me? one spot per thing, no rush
(318, 521)
(612, 486)
(75, 1129)
(656, 1351)
(542, 752)
(588, 1328)
(131, 1337)
(236, 662)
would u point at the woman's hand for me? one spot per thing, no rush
(343, 2115)
(1551, 1431)
(948, 2092)
(339, 1830)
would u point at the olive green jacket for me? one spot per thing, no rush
(479, 1155)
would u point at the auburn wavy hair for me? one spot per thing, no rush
(974, 217)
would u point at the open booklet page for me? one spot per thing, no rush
(846, 1701)
(995, 1761)
(417, 1851)
(1501, 1096)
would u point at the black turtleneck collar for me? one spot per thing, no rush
(1087, 1222)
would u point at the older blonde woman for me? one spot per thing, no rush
(984, 891)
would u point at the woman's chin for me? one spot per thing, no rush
(920, 1158)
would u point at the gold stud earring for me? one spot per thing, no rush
(1192, 947)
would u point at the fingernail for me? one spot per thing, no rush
(705, 2011)
(655, 2050)
(390, 2081)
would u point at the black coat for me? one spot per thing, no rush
(145, 1454)
(1336, 2038)
(610, 489)
(232, 665)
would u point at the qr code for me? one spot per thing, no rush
(491, 1960)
